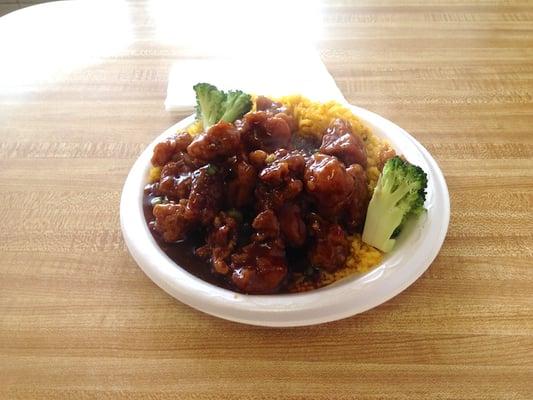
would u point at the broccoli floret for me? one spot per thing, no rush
(399, 194)
(209, 104)
(213, 105)
(236, 105)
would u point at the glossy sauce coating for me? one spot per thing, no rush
(247, 205)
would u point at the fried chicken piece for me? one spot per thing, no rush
(259, 267)
(218, 142)
(330, 247)
(263, 131)
(170, 221)
(165, 151)
(207, 193)
(221, 242)
(328, 183)
(339, 141)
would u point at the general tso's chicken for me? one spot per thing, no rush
(255, 192)
(263, 103)
(170, 221)
(218, 142)
(358, 202)
(292, 224)
(275, 108)
(266, 225)
(328, 183)
(221, 242)
(330, 247)
(263, 131)
(175, 181)
(207, 192)
(259, 267)
(258, 158)
(284, 164)
(165, 151)
(281, 180)
(339, 141)
(241, 184)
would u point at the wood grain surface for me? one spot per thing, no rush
(79, 319)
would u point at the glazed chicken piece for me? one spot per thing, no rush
(263, 131)
(263, 103)
(242, 183)
(292, 225)
(339, 141)
(285, 163)
(170, 221)
(258, 158)
(266, 225)
(358, 203)
(175, 180)
(207, 193)
(165, 151)
(281, 180)
(221, 242)
(219, 141)
(328, 184)
(261, 266)
(330, 247)
(268, 197)
(274, 108)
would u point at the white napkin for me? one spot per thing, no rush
(274, 73)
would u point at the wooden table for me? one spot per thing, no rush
(81, 94)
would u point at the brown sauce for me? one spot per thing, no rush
(255, 207)
(183, 254)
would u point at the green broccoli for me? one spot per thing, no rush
(213, 105)
(209, 104)
(399, 194)
(236, 105)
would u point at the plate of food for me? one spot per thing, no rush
(283, 212)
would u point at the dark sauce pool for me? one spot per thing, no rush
(183, 254)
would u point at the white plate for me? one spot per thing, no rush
(414, 251)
